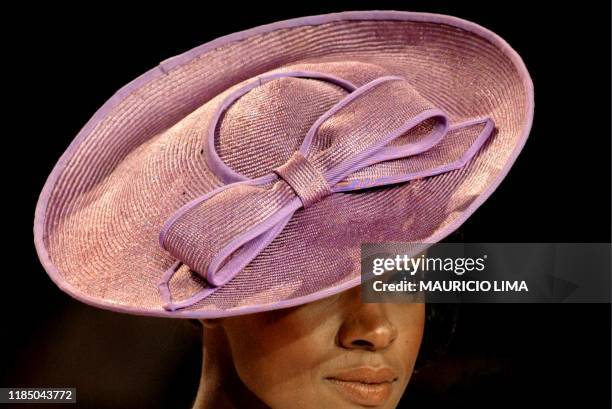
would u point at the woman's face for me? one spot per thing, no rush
(336, 352)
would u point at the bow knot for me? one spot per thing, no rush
(308, 183)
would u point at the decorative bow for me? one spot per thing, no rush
(381, 133)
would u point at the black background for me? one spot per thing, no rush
(66, 62)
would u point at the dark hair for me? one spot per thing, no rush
(440, 322)
(194, 325)
(440, 325)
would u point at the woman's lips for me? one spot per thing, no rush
(365, 386)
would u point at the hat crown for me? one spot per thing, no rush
(262, 128)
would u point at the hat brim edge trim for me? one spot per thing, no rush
(173, 62)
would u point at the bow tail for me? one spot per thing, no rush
(458, 146)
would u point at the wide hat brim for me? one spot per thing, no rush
(137, 161)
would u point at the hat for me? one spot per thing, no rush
(244, 175)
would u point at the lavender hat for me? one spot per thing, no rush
(243, 175)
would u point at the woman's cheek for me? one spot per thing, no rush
(278, 359)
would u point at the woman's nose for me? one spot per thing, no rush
(367, 327)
